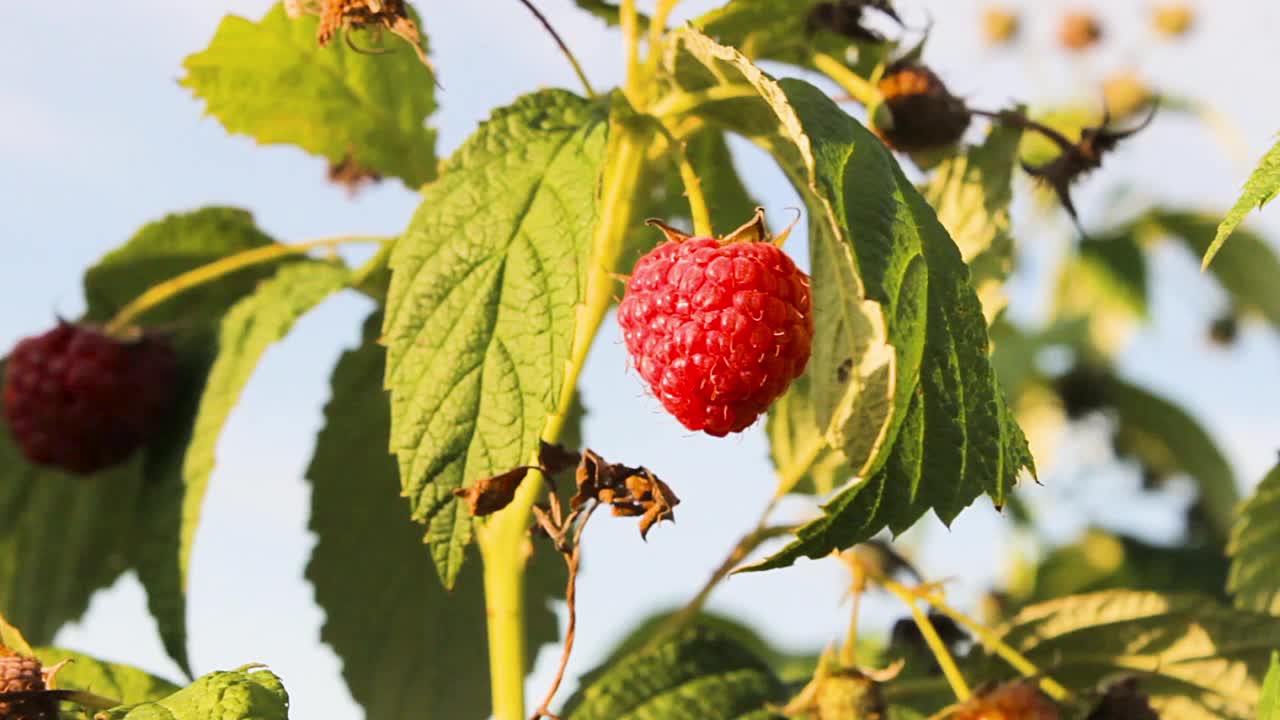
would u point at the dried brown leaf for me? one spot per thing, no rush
(489, 495)
(555, 459)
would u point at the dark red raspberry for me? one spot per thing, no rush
(717, 328)
(78, 399)
(922, 113)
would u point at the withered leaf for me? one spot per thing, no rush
(630, 492)
(555, 459)
(489, 495)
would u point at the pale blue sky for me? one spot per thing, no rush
(97, 138)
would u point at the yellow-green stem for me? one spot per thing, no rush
(657, 27)
(503, 539)
(680, 103)
(993, 642)
(698, 208)
(629, 19)
(950, 671)
(175, 286)
(854, 84)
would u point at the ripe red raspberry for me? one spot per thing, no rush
(78, 399)
(717, 328)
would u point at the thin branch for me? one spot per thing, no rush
(940, 652)
(573, 560)
(577, 68)
(179, 284)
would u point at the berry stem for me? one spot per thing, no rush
(698, 209)
(564, 48)
(858, 88)
(950, 670)
(175, 286)
(992, 641)
(679, 103)
(503, 539)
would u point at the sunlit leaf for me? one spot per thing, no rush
(1254, 550)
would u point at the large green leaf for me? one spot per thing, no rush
(409, 647)
(480, 317)
(803, 459)
(248, 693)
(900, 377)
(778, 30)
(247, 330)
(1168, 440)
(1196, 659)
(125, 683)
(1247, 269)
(697, 673)
(92, 529)
(971, 194)
(269, 80)
(1100, 560)
(1261, 189)
(1269, 706)
(1255, 554)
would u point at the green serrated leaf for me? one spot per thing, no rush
(779, 30)
(803, 459)
(247, 330)
(971, 194)
(1247, 269)
(1100, 560)
(249, 693)
(852, 366)
(1196, 659)
(1269, 705)
(895, 314)
(125, 683)
(1260, 189)
(698, 673)
(480, 317)
(269, 80)
(11, 638)
(1254, 581)
(1168, 440)
(125, 516)
(374, 578)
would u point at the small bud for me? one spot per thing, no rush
(1079, 31)
(999, 25)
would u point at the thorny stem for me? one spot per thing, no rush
(658, 26)
(175, 286)
(564, 48)
(1013, 118)
(698, 208)
(860, 89)
(504, 538)
(950, 670)
(992, 641)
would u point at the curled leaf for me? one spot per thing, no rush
(491, 494)
(631, 492)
